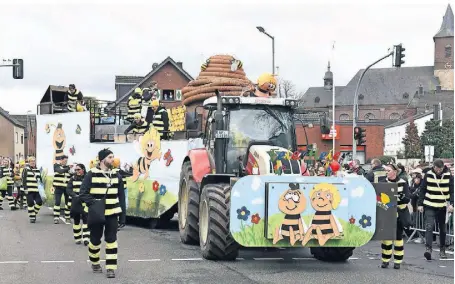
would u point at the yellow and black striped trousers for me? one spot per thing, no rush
(395, 247)
(110, 236)
(59, 191)
(8, 193)
(80, 228)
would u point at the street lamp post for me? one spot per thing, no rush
(262, 30)
(355, 111)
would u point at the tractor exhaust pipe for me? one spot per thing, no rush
(219, 141)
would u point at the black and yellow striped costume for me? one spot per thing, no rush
(80, 228)
(396, 246)
(8, 172)
(161, 122)
(30, 178)
(61, 178)
(436, 192)
(134, 106)
(72, 100)
(138, 128)
(96, 186)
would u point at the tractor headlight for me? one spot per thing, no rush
(292, 103)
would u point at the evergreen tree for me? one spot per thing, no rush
(441, 137)
(412, 142)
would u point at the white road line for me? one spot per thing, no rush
(186, 259)
(57, 261)
(447, 259)
(143, 260)
(13, 262)
(271, 258)
(448, 252)
(354, 258)
(373, 258)
(442, 266)
(240, 258)
(303, 258)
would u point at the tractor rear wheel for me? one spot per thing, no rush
(188, 206)
(332, 254)
(216, 240)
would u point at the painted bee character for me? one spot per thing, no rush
(59, 143)
(324, 198)
(292, 203)
(236, 64)
(150, 149)
(205, 65)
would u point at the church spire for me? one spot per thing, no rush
(328, 78)
(446, 29)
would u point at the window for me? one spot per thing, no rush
(168, 95)
(405, 95)
(369, 116)
(22, 138)
(448, 51)
(17, 138)
(361, 97)
(344, 116)
(394, 116)
(317, 99)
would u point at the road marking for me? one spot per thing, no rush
(271, 258)
(57, 261)
(354, 258)
(240, 258)
(303, 258)
(186, 259)
(143, 260)
(447, 259)
(448, 252)
(13, 262)
(373, 258)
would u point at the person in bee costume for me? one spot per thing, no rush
(21, 198)
(266, 86)
(61, 177)
(80, 226)
(139, 125)
(30, 178)
(73, 98)
(403, 219)
(160, 119)
(102, 191)
(134, 104)
(7, 171)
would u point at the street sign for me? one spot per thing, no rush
(429, 153)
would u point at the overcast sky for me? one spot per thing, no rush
(88, 44)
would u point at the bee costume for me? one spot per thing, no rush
(96, 186)
(8, 172)
(30, 177)
(397, 245)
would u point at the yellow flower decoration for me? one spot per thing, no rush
(141, 187)
(52, 190)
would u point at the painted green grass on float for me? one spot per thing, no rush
(253, 234)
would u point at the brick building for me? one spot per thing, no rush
(394, 93)
(170, 76)
(11, 137)
(373, 147)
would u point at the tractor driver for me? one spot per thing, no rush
(265, 87)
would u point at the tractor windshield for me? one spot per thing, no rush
(261, 123)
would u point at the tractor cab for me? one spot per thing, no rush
(250, 129)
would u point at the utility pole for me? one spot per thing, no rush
(262, 30)
(398, 54)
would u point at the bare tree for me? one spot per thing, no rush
(288, 90)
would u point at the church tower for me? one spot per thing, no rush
(328, 79)
(443, 51)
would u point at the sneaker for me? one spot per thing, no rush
(96, 268)
(442, 253)
(85, 243)
(56, 221)
(78, 242)
(32, 221)
(427, 253)
(110, 273)
(385, 265)
(396, 266)
(1, 208)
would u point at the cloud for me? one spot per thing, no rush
(256, 184)
(357, 192)
(344, 202)
(236, 193)
(258, 201)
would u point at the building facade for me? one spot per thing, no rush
(395, 93)
(395, 132)
(169, 75)
(12, 140)
(29, 123)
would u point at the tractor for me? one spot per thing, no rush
(241, 134)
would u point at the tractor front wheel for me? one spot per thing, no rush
(332, 254)
(188, 206)
(215, 238)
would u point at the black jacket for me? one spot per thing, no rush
(370, 175)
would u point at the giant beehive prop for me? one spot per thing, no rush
(222, 72)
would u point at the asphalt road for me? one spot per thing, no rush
(46, 253)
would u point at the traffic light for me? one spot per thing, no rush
(18, 69)
(359, 135)
(398, 55)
